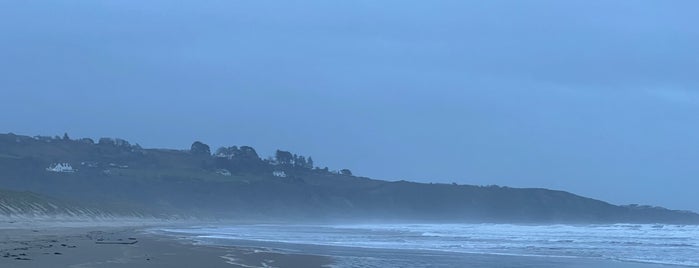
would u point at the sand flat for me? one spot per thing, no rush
(78, 247)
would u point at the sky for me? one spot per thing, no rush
(598, 98)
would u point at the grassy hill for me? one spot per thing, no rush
(236, 183)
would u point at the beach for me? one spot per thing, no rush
(111, 246)
(130, 247)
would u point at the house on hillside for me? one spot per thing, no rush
(43, 138)
(118, 165)
(223, 172)
(61, 167)
(90, 164)
(279, 173)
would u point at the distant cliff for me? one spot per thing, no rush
(234, 182)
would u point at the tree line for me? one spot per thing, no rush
(287, 158)
(283, 158)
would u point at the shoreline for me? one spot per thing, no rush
(345, 256)
(444, 258)
(144, 246)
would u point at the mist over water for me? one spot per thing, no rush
(661, 244)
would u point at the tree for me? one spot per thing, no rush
(65, 136)
(300, 161)
(309, 163)
(200, 148)
(284, 157)
(121, 143)
(106, 141)
(346, 172)
(221, 151)
(227, 151)
(249, 153)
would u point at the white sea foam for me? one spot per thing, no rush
(663, 244)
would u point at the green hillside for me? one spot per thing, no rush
(236, 183)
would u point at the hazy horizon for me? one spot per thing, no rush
(596, 98)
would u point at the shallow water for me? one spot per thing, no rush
(661, 244)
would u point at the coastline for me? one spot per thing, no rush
(78, 247)
(344, 256)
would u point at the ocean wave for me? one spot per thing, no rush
(662, 244)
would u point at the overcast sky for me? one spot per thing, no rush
(599, 98)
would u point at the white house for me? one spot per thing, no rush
(223, 172)
(60, 167)
(279, 173)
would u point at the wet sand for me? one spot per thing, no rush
(344, 256)
(124, 247)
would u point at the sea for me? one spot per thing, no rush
(447, 245)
